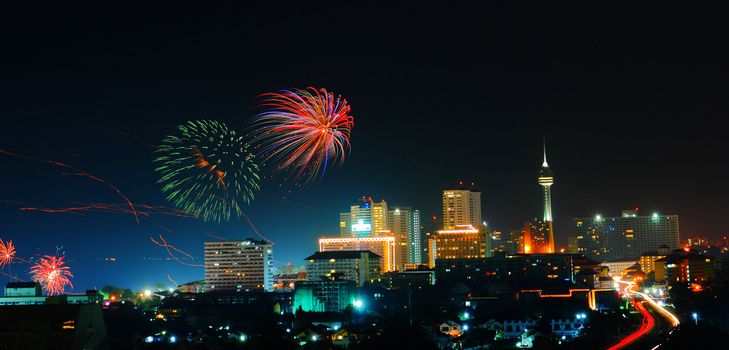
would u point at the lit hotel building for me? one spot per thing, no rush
(404, 224)
(627, 236)
(461, 242)
(461, 207)
(364, 218)
(238, 265)
(382, 245)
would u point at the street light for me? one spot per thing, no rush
(696, 318)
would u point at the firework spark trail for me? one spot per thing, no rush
(52, 273)
(173, 281)
(121, 133)
(215, 236)
(254, 228)
(12, 276)
(46, 152)
(145, 210)
(288, 201)
(78, 172)
(169, 249)
(250, 222)
(301, 129)
(45, 116)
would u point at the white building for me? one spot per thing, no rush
(238, 265)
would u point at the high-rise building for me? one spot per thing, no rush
(571, 244)
(358, 266)
(427, 233)
(364, 218)
(404, 224)
(542, 240)
(538, 237)
(238, 265)
(461, 206)
(382, 245)
(546, 180)
(462, 242)
(627, 236)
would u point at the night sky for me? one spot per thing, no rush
(633, 100)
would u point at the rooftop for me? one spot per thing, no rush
(341, 254)
(21, 285)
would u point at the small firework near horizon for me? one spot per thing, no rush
(7, 253)
(52, 273)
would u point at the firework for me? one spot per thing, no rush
(303, 130)
(77, 172)
(163, 243)
(144, 210)
(7, 253)
(207, 170)
(52, 273)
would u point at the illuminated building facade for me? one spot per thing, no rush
(537, 237)
(618, 267)
(461, 242)
(681, 267)
(648, 259)
(461, 207)
(432, 252)
(404, 224)
(381, 245)
(324, 295)
(364, 218)
(517, 267)
(627, 236)
(30, 293)
(358, 266)
(427, 233)
(238, 265)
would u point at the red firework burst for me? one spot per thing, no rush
(304, 130)
(52, 273)
(7, 253)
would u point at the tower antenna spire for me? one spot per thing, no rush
(544, 147)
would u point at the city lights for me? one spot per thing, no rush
(212, 135)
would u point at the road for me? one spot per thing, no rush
(655, 325)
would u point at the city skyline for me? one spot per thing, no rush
(409, 142)
(357, 175)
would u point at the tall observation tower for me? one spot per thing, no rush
(546, 179)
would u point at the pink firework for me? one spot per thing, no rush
(303, 131)
(7, 253)
(52, 273)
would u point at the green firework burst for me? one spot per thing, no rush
(207, 170)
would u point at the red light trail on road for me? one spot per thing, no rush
(646, 326)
